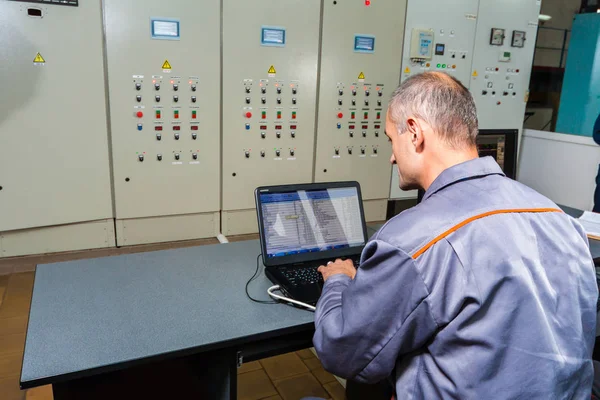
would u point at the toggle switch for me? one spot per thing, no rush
(292, 152)
(263, 90)
(341, 92)
(366, 102)
(362, 150)
(262, 153)
(247, 89)
(340, 102)
(364, 133)
(353, 102)
(349, 150)
(263, 100)
(294, 100)
(293, 133)
(380, 93)
(351, 134)
(376, 133)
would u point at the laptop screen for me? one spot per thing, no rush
(311, 221)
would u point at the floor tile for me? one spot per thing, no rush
(12, 343)
(248, 367)
(10, 364)
(255, 385)
(283, 366)
(9, 389)
(12, 326)
(305, 354)
(40, 393)
(313, 363)
(17, 298)
(336, 391)
(297, 387)
(322, 375)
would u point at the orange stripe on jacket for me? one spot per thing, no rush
(487, 214)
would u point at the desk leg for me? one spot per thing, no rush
(205, 376)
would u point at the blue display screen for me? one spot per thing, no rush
(272, 37)
(364, 44)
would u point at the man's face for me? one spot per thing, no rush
(403, 155)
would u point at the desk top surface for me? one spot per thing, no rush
(90, 316)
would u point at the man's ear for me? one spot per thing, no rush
(416, 134)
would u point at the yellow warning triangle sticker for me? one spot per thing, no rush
(361, 76)
(272, 70)
(475, 75)
(166, 65)
(407, 70)
(39, 59)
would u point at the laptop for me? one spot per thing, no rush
(304, 226)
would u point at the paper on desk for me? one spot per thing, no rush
(591, 223)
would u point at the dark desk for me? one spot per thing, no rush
(179, 319)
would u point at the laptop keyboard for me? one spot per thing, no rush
(302, 275)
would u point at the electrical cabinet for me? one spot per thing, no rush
(270, 53)
(164, 92)
(449, 40)
(502, 61)
(361, 54)
(54, 168)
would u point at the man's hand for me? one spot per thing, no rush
(338, 267)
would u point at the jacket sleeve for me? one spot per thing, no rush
(364, 325)
(596, 133)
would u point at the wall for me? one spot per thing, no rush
(562, 12)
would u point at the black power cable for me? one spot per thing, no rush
(253, 278)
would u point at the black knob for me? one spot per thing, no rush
(138, 98)
(340, 102)
(341, 92)
(247, 100)
(366, 102)
(278, 90)
(158, 136)
(351, 134)
(379, 103)
(292, 152)
(141, 157)
(176, 135)
(364, 133)
(293, 134)
(349, 151)
(337, 152)
(376, 133)
(380, 93)
(157, 98)
(278, 153)
(177, 156)
(193, 88)
(193, 99)
(175, 99)
(247, 89)
(375, 151)
(353, 102)
(263, 100)
(195, 156)
(262, 153)
(279, 100)
(157, 86)
(362, 151)
(159, 157)
(294, 90)
(175, 87)
(194, 135)
(484, 92)
(278, 134)
(138, 86)
(263, 135)
(353, 92)
(294, 100)
(263, 90)
(367, 93)
(247, 154)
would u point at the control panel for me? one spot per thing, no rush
(356, 83)
(442, 40)
(503, 56)
(54, 166)
(269, 96)
(165, 108)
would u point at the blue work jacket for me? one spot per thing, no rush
(485, 290)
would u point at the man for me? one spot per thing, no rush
(484, 290)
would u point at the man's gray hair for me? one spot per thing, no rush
(441, 101)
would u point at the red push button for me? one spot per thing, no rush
(340, 115)
(140, 114)
(248, 114)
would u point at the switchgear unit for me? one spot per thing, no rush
(164, 69)
(440, 36)
(270, 54)
(502, 60)
(54, 173)
(359, 71)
